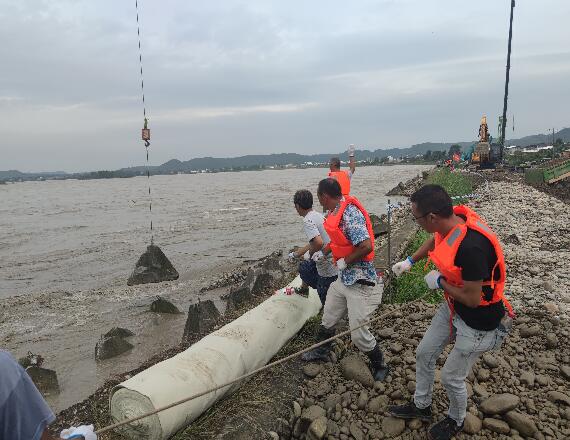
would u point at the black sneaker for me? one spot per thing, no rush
(319, 354)
(444, 429)
(303, 291)
(410, 411)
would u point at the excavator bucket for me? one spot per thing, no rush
(152, 267)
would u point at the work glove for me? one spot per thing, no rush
(402, 266)
(351, 150)
(83, 431)
(341, 264)
(292, 257)
(318, 256)
(307, 256)
(433, 280)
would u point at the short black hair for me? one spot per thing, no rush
(303, 198)
(329, 187)
(335, 162)
(433, 199)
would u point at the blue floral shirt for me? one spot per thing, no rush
(353, 226)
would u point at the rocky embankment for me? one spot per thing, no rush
(520, 391)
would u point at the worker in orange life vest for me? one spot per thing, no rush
(358, 290)
(471, 271)
(343, 177)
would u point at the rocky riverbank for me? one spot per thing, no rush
(522, 390)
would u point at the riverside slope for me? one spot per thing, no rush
(523, 390)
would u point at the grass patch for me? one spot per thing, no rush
(456, 184)
(411, 285)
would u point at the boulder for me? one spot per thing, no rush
(310, 414)
(521, 422)
(500, 403)
(311, 370)
(202, 318)
(44, 379)
(392, 426)
(353, 367)
(161, 305)
(120, 332)
(497, 426)
(558, 397)
(110, 347)
(379, 225)
(472, 424)
(377, 404)
(356, 432)
(152, 267)
(317, 429)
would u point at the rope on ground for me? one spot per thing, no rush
(254, 372)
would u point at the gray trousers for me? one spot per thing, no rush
(360, 302)
(469, 345)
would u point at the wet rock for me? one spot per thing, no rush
(317, 429)
(309, 415)
(110, 347)
(161, 305)
(152, 267)
(500, 403)
(472, 424)
(44, 379)
(354, 368)
(521, 422)
(379, 225)
(202, 318)
(238, 298)
(558, 397)
(497, 426)
(392, 427)
(120, 332)
(311, 370)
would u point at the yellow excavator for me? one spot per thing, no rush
(481, 156)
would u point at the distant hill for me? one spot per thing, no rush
(256, 161)
(534, 139)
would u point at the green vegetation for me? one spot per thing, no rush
(411, 285)
(456, 184)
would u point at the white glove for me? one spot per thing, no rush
(351, 150)
(307, 256)
(432, 280)
(341, 264)
(402, 266)
(84, 430)
(318, 256)
(292, 257)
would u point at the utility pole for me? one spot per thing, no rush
(504, 121)
(553, 136)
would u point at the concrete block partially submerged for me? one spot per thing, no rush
(152, 267)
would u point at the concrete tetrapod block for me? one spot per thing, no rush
(152, 267)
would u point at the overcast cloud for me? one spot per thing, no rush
(230, 77)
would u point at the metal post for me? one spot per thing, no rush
(389, 262)
(504, 121)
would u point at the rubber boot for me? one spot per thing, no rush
(320, 353)
(379, 368)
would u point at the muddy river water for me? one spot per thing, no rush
(67, 248)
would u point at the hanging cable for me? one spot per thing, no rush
(145, 130)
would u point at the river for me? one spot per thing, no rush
(67, 248)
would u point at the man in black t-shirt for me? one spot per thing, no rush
(473, 316)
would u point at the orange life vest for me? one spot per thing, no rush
(443, 256)
(344, 181)
(340, 245)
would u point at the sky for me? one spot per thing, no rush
(229, 77)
